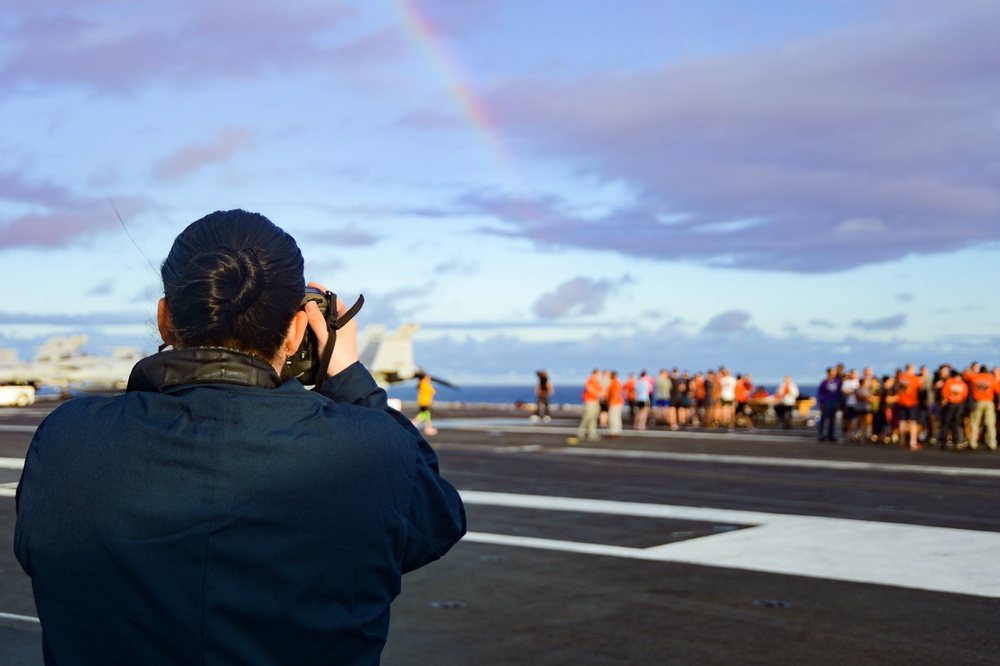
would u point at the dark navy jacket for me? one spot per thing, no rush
(214, 515)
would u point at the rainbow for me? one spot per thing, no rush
(423, 32)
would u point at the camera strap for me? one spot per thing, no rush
(334, 324)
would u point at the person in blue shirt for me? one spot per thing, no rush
(218, 512)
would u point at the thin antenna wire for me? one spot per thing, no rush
(112, 202)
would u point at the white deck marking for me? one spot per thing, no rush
(18, 428)
(517, 424)
(772, 461)
(937, 559)
(11, 463)
(19, 618)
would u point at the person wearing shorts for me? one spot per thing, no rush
(643, 388)
(727, 397)
(661, 399)
(849, 389)
(425, 396)
(908, 406)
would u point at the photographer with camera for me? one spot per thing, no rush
(218, 512)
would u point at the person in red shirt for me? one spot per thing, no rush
(907, 404)
(700, 412)
(615, 403)
(629, 389)
(742, 391)
(984, 388)
(593, 391)
(952, 392)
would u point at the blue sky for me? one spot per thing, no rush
(772, 186)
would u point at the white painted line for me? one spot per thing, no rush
(772, 461)
(19, 618)
(937, 559)
(524, 426)
(528, 448)
(553, 544)
(11, 463)
(8, 492)
(18, 428)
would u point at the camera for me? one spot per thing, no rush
(304, 364)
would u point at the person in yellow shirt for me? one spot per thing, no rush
(425, 396)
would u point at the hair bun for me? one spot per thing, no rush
(243, 279)
(233, 279)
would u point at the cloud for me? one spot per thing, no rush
(55, 216)
(103, 289)
(14, 188)
(854, 147)
(191, 158)
(733, 321)
(347, 236)
(455, 267)
(766, 357)
(74, 320)
(822, 323)
(577, 297)
(886, 324)
(393, 308)
(861, 226)
(510, 325)
(117, 45)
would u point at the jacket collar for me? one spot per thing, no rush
(201, 365)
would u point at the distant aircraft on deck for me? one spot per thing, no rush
(389, 358)
(60, 362)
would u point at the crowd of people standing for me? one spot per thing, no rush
(947, 407)
(672, 398)
(950, 408)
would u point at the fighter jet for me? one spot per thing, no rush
(389, 358)
(59, 361)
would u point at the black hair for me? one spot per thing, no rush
(233, 279)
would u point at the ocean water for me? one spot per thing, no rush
(497, 394)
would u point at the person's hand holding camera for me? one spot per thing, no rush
(345, 351)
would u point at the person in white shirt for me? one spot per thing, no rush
(727, 396)
(787, 395)
(850, 388)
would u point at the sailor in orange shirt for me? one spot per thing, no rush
(700, 416)
(984, 388)
(592, 394)
(907, 403)
(953, 392)
(615, 403)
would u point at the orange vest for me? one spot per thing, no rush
(615, 393)
(593, 390)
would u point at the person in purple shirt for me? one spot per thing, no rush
(828, 397)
